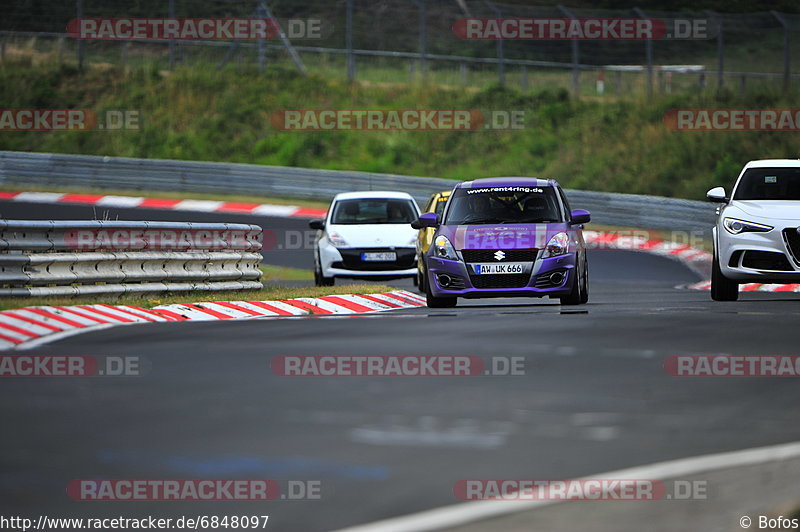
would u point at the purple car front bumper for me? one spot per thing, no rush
(450, 278)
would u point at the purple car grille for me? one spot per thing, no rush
(513, 280)
(488, 255)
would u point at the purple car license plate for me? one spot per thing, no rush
(511, 267)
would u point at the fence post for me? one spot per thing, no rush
(720, 49)
(575, 55)
(524, 78)
(648, 47)
(501, 64)
(787, 75)
(743, 84)
(79, 14)
(171, 15)
(618, 83)
(423, 38)
(351, 62)
(462, 67)
(298, 63)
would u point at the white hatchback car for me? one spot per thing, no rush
(366, 235)
(757, 234)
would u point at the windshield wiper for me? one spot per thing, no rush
(482, 221)
(533, 221)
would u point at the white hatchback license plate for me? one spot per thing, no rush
(379, 256)
(511, 267)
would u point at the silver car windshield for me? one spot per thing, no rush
(769, 184)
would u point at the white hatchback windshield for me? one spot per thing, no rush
(373, 211)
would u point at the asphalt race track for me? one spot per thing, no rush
(594, 396)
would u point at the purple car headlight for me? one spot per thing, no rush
(558, 245)
(443, 249)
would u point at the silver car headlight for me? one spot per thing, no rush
(735, 226)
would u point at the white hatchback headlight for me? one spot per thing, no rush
(735, 226)
(337, 240)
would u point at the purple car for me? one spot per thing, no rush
(506, 237)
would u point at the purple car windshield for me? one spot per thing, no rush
(497, 205)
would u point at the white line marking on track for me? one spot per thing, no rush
(463, 513)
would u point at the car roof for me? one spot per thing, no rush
(508, 182)
(372, 194)
(773, 163)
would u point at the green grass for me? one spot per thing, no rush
(603, 144)
(284, 273)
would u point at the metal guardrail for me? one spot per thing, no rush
(84, 171)
(92, 257)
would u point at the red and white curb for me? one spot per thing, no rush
(750, 287)
(29, 327)
(696, 259)
(189, 205)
